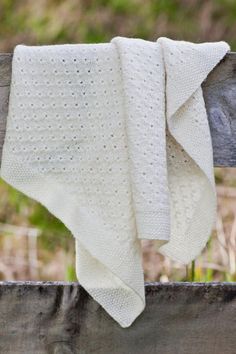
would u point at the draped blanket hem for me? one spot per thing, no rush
(104, 282)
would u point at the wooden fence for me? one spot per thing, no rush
(180, 318)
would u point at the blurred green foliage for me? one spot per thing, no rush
(75, 21)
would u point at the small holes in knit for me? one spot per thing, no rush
(69, 126)
(143, 68)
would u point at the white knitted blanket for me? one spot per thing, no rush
(113, 139)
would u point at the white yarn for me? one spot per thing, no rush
(113, 139)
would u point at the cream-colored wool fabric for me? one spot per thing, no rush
(113, 139)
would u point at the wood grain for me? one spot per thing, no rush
(180, 318)
(220, 98)
(219, 91)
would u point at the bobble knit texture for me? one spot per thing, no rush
(113, 139)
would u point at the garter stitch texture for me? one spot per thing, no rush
(113, 139)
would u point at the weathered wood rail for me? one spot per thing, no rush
(180, 318)
(61, 318)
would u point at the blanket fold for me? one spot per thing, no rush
(190, 155)
(143, 78)
(113, 140)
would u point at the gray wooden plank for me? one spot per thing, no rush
(180, 318)
(220, 97)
